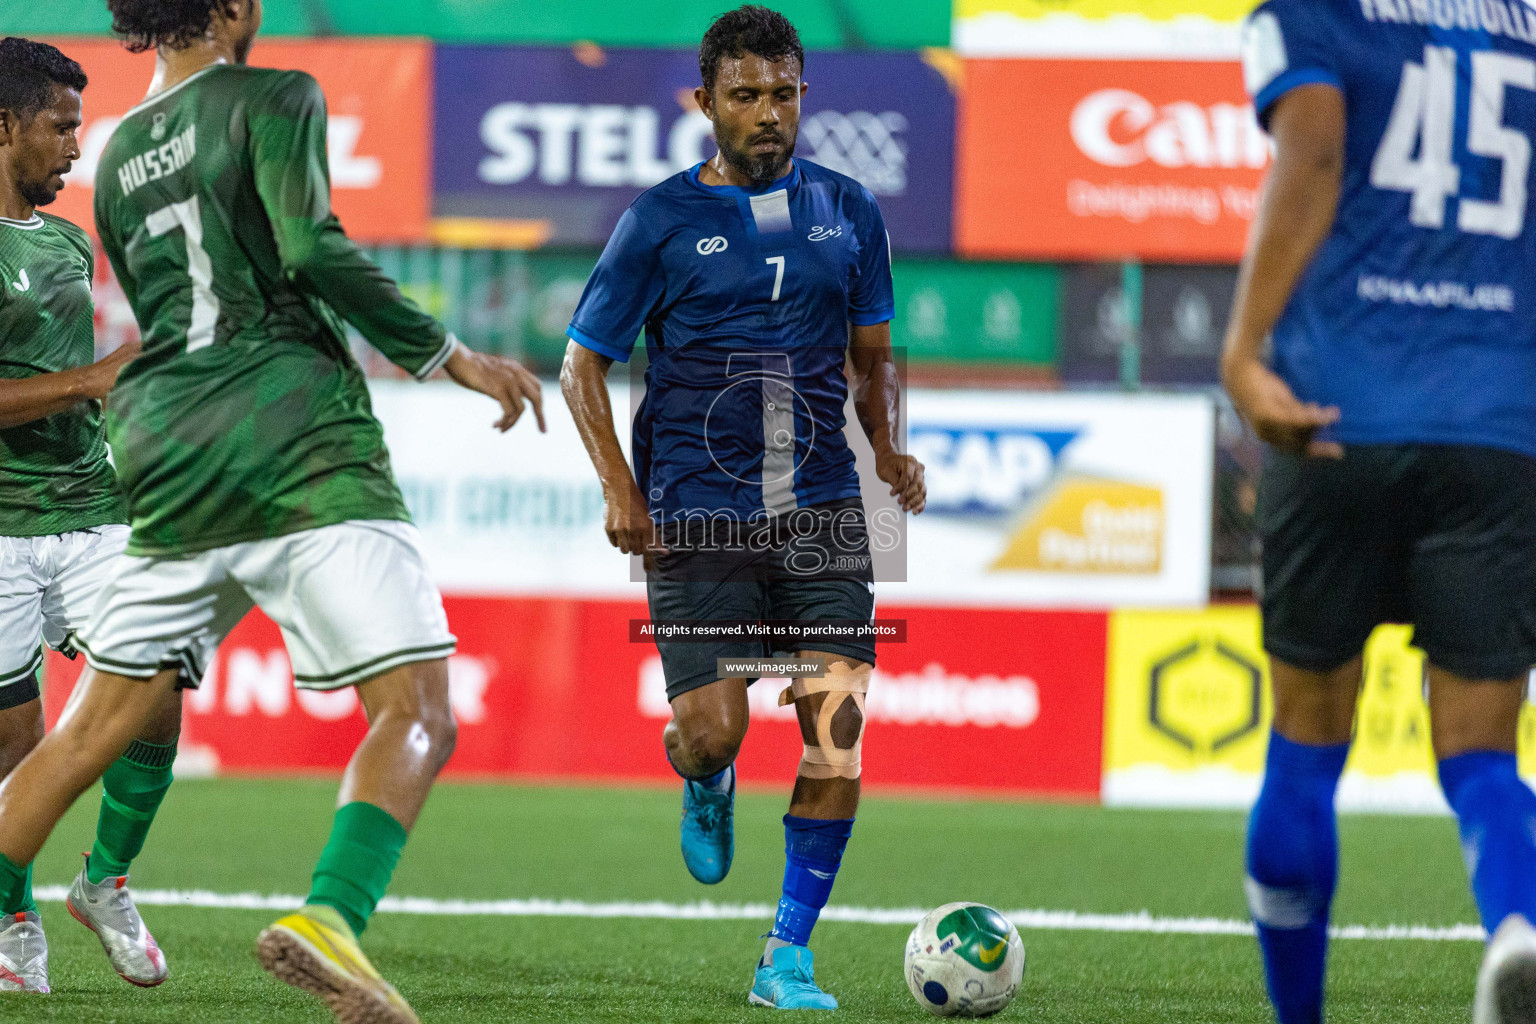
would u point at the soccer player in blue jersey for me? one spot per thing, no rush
(1393, 263)
(755, 276)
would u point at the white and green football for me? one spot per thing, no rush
(964, 960)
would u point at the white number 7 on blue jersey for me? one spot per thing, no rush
(778, 277)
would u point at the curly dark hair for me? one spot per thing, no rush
(146, 24)
(748, 29)
(28, 72)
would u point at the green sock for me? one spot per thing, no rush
(15, 887)
(131, 793)
(355, 866)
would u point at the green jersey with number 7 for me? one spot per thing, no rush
(246, 417)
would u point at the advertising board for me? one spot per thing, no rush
(1184, 313)
(1188, 715)
(1103, 160)
(553, 688)
(378, 97)
(1169, 29)
(563, 139)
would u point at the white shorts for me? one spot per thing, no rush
(353, 600)
(48, 589)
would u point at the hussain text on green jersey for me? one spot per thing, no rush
(246, 417)
(54, 473)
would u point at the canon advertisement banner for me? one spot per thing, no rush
(566, 138)
(1034, 500)
(1003, 701)
(1104, 159)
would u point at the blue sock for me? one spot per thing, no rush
(1496, 811)
(813, 850)
(1293, 862)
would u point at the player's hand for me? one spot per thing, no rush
(101, 375)
(905, 475)
(1275, 413)
(505, 380)
(627, 520)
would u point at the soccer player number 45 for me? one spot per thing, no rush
(1424, 120)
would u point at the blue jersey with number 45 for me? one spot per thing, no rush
(1418, 316)
(745, 297)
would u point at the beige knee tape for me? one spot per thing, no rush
(824, 759)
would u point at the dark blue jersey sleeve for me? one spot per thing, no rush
(623, 292)
(871, 300)
(1288, 44)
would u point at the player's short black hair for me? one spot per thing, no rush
(748, 29)
(28, 73)
(146, 24)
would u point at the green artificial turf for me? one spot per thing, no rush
(489, 842)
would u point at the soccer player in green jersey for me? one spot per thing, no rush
(62, 516)
(254, 470)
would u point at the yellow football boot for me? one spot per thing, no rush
(315, 950)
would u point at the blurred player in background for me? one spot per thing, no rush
(755, 277)
(62, 516)
(255, 471)
(1394, 264)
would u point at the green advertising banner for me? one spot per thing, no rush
(823, 24)
(519, 303)
(955, 312)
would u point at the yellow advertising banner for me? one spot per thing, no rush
(1187, 715)
(1117, 29)
(1220, 10)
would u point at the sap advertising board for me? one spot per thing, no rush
(571, 136)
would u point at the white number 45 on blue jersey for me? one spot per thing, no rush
(1424, 121)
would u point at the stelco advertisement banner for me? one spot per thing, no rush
(378, 96)
(1107, 159)
(562, 140)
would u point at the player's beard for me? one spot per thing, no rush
(37, 193)
(760, 170)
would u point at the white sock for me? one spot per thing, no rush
(724, 781)
(773, 944)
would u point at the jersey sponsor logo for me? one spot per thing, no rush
(821, 233)
(710, 246)
(1479, 298)
(162, 162)
(22, 284)
(1122, 128)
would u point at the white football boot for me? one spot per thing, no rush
(23, 954)
(107, 909)
(1506, 984)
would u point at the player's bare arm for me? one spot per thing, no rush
(35, 398)
(1301, 197)
(626, 517)
(876, 391)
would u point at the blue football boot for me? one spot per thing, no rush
(709, 829)
(789, 982)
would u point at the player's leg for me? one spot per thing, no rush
(392, 647)
(709, 723)
(80, 566)
(23, 947)
(1333, 569)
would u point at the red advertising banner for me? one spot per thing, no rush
(1102, 159)
(378, 93)
(1006, 701)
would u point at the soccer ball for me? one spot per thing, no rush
(964, 960)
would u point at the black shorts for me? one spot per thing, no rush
(811, 565)
(1442, 537)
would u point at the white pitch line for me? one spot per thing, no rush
(1024, 920)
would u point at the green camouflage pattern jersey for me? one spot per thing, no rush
(54, 473)
(246, 417)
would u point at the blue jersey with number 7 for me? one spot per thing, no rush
(745, 297)
(1418, 316)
